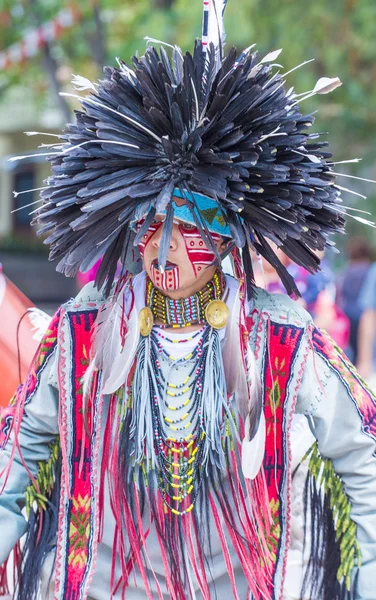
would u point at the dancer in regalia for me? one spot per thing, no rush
(181, 433)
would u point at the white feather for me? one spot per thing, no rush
(343, 189)
(40, 321)
(232, 359)
(271, 57)
(214, 11)
(243, 381)
(82, 83)
(253, 451)
(110, 356)
(325, 85)
(117, 369)
(87, 379)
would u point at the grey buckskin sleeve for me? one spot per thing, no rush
(342, 415)
(39, 429)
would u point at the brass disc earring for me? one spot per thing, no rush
(217, 314)
(146, 321)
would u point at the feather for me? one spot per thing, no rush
(119, 364)
(233, 360)
(271, 57)
(253, 451)
(164, 246)
(325, 85)
(40, 321)
(213, 30)
(223, 127)
(109, 353)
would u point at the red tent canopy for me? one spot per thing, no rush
(13, 305)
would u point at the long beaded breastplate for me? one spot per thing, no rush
(180, 398)
(178, 427)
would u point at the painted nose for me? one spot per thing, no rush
(156, 239)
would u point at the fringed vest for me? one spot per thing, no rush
(67, 489)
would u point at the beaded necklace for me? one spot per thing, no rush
(180, 427)
(184, 311)
(179, 458)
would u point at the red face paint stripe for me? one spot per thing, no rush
(148, 235)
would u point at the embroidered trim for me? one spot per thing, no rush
(360, 394)
(289, 473)
(280, 352)
(78, 527)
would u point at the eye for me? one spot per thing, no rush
(187, 228)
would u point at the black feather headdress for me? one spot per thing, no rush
(229, 130)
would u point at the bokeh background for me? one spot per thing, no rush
(44, 42)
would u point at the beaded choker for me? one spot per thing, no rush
(194, 310)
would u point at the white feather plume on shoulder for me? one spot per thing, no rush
(241, 372)
(109, 354)
(235, 375)
(40, 321)
(253, 451)
(117, 365)
(243, 380)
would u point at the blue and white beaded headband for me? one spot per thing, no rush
(207, 209)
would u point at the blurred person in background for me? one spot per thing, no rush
(349, 296)
(317, 292)
(366, 359)
(320, 296)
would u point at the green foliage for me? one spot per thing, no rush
(338, 35)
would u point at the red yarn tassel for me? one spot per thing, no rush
(4, 581)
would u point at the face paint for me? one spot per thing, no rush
(198, 253)
(188, 256)
(148, 235)
(167, 281)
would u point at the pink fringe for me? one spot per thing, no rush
(4, 583)
(143, 536)
(187, 522)
(161, 516)
(118, 505)
(224, 545)
(15, 429)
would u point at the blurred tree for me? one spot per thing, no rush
(62, 50)
(338, 35)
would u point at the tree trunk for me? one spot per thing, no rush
(96, 40)
(50, 67)
(166, 4)
(49, 63)
(99, 53)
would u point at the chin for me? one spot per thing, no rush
(168, 281)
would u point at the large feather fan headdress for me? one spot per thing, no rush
(226, 127)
